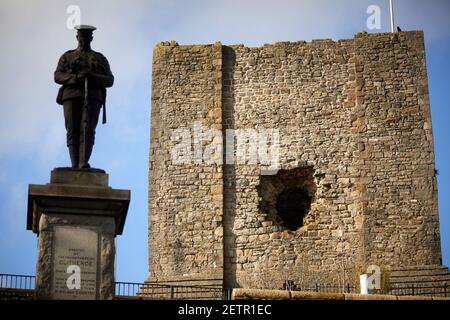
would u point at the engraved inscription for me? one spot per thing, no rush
(75, 263)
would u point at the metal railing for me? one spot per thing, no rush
(394, 289)
(347, 288)
(22, 286)
(420, 290)
(166, 291)
(16, 281)
(16, 287)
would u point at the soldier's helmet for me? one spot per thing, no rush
(85, 27)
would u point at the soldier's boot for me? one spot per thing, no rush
(85, 155)
(74, 152)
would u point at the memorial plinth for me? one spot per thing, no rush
(76, 217)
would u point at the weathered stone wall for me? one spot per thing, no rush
(185, 201)
(354, 122)
(398, 185)
(305, 90)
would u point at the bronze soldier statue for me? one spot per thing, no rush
(84, 75)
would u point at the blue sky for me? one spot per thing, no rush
(32, 135)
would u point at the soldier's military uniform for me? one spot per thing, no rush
(72, 67)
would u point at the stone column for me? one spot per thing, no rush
(76, 217)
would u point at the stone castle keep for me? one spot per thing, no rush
(356, 185)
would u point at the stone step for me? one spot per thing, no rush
(420, 268)
(437, 276)
(419, 274)
(423, 279)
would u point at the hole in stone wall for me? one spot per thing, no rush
(292, 206)
(287, 196)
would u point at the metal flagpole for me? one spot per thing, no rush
(392, 15)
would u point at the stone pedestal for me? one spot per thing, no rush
(76, 217)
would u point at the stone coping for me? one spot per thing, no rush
(80, 192)
(86, 177)
(260, 294)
